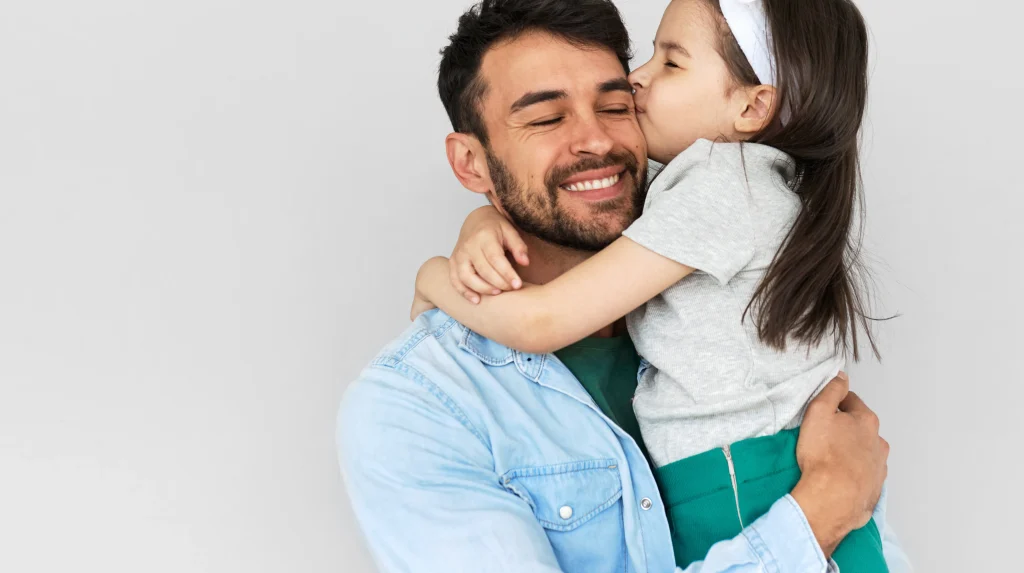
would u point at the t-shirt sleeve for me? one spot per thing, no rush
(697, 212)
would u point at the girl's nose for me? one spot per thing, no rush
(638, 79)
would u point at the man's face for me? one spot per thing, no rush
(566, 155)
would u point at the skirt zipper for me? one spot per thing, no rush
(735, 488)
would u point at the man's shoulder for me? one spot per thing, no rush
(431, 332)
(426, 355)
(421, 383)
(425, 369)
(443, 349)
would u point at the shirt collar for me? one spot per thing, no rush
(544, 369)
(495, 354)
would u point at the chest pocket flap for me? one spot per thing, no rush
(566, 496)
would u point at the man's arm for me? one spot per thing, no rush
(425, 494)
(895, 557)
(843, 463)
(422, 483)
(780, 541)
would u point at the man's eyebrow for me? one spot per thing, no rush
(533, 98)
(616, 85)
(670, 46)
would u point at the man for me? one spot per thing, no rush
(460, 454)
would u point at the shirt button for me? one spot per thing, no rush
(645, 503)
(565, 512)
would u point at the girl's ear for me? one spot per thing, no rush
(759, 107)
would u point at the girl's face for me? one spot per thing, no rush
(685, 92)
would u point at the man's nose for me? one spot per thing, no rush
(591, 137)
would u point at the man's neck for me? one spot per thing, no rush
(548, 262)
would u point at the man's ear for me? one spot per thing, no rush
(468, 159)
(759, 106)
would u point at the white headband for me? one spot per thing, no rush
(749, 25)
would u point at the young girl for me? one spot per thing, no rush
(738, 278)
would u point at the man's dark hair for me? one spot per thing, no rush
(587, 23)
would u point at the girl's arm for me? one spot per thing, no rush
(478, 264)
(545, 318)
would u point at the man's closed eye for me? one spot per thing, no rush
(546, 122)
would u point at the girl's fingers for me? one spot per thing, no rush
(460, 287)
(470, 278)
(514, 244)
(499, 271)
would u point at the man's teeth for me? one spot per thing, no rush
(593, 185)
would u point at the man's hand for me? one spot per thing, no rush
(843, 463)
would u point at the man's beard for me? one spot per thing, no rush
(539, 214)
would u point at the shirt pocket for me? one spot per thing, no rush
(579, 504)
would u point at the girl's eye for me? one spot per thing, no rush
(617, 111)
(546, 122)
(670, 64)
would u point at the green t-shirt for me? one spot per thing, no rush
(607, 368)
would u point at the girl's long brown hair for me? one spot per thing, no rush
(814, 286)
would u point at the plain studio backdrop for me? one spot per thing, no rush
(211, 214)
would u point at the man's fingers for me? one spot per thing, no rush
(831, 396)
(852, 403)
(856, 407)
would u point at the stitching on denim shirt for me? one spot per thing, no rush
(396, 361)
(467, 343)
(507, 480)
(446, 400)
(391, 358)
(444, 328)
(760, 549)
(807, 528)
(556, 469)
(580, 521)
(520, 357)
(520, 493)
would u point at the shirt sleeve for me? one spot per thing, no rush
(895, 557)
(697, 212)
(422, 484)
(780, 541)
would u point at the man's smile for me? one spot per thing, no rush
(596, 184)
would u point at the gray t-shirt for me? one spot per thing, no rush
(724, 209)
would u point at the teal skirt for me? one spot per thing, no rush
(703, 508)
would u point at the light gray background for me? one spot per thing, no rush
(211, 213)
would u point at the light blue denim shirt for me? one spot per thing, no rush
(460, 454)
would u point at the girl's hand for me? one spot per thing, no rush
(478, 264)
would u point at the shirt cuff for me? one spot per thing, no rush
(783, 540)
